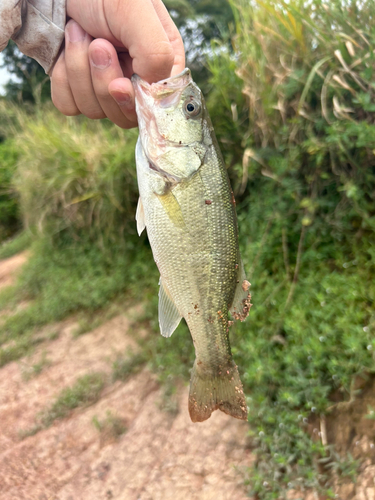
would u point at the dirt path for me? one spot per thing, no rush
(161, 455)
(9, 268)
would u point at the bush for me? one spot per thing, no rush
(9, 214)
(75, 175)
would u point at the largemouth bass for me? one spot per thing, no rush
(187, 205)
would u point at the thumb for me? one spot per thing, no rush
(147, 41)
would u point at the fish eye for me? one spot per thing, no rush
(192, 108)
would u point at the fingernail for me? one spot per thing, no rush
(122, 99)
(75, 32)
(100, 58)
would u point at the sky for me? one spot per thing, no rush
(4, 75)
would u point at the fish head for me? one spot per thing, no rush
(172, 120)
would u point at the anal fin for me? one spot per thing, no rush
(241, 302)
(169, 317)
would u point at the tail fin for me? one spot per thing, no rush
(223, 392)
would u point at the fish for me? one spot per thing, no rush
(187, 206)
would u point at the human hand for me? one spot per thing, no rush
(93, 76)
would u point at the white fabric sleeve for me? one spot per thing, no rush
(37, 27)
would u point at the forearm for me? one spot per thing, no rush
(36, 26)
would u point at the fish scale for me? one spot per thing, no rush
(187, 207)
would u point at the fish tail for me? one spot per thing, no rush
(222, 392)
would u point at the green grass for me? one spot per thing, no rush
(305, 189)
(76, 185)
(112, 426)
(9, 210)
(81, 176)
(128, 365)
(34, 370)
(60, 279)
(85, 391)
(18, 243)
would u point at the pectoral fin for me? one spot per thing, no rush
(140, 217)
(169, 317)
(172, 209)
(241, 302)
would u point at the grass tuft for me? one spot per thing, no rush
(131, 364)
(110, 428)
(34, 370)
(85, 391)
(18, 243)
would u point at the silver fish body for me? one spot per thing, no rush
(187, 205)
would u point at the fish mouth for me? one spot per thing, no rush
(164, 94)
(163, 88)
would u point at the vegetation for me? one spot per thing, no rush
(292, 102)
(306, 220)
(199, 22)
(9, 218)
(34, 370)
(85, 391)
(112, 427)
(123, 368)
(20, 241)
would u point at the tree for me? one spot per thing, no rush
(200, 21)
(30, 82)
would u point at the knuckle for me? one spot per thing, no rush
(163, 58)
(65, 107)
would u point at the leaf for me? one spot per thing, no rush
(309, 80)
(85, 197)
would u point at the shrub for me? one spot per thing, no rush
(9, 214)
(75, 175)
